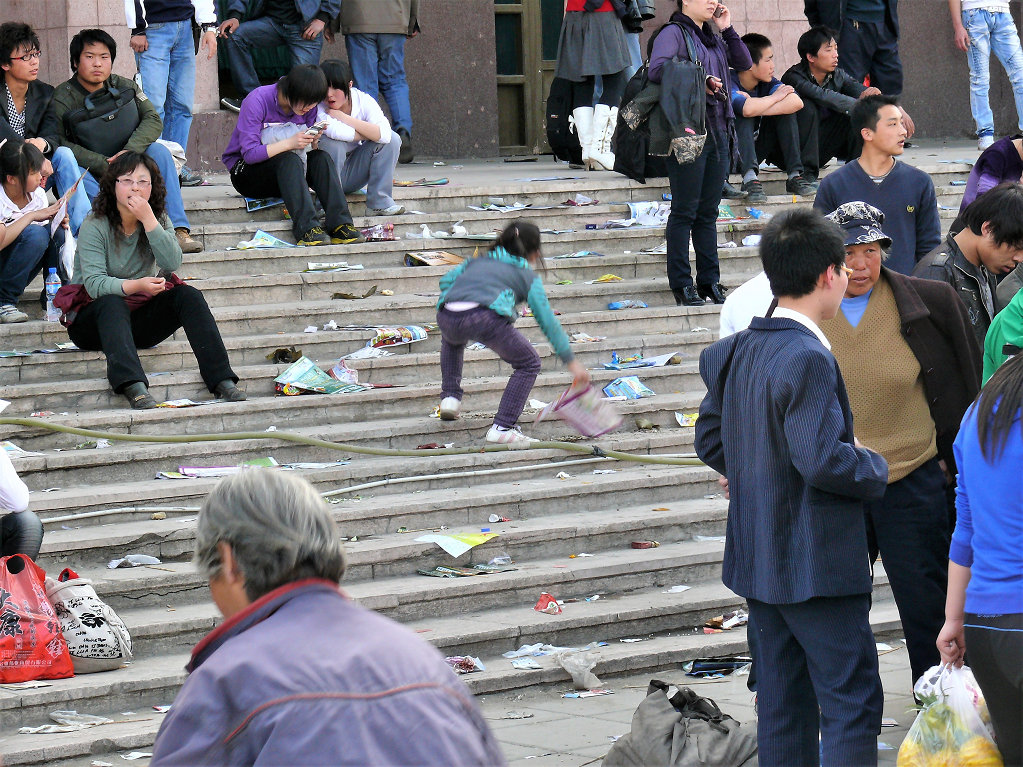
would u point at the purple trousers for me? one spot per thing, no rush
(497, 333)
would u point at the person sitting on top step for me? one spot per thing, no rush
(359, 139)
(126, 257)
(765, 123)
(93, 52)
(284, 115)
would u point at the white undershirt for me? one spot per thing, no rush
(802, 319)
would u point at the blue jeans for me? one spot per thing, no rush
(66, 173)
(264, 32)
(22, 260)
(378, 63)
(173, 202)
(168, 76)
(992, 33)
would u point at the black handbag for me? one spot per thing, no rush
(105, 122)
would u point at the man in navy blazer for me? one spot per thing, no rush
(776, 424)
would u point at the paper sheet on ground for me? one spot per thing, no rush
(457, 544)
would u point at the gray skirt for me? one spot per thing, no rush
(591, 44)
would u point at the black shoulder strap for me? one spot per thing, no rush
(685, 36)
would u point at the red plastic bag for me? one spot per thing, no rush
(31, 643)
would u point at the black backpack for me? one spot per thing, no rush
(563, 141)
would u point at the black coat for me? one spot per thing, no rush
(831, 13)
(40, 117)
(938, 331)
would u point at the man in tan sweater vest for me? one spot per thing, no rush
(884, 375)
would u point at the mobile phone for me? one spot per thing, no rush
(317, 129)
(719, 11)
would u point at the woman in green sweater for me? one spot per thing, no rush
(127, 253)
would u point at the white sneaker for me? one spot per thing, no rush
(391, 210)
(499, 436)
(449, 407)
(984, 142)
(10, 313)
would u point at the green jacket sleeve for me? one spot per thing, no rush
(92, 259)
(150, 124)
(548, 322)
(63, 102)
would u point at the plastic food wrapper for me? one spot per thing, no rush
(406, 334)
(629, 387)
(525, 664)
(261, 240)
(584, 410)
(628, 303)
(332, 266)
(133, 560)
(379, 233)
(729, 621)
(343, 373)
(456, 544)
(686, 419)
(547, 604)
(954, 726)
(580, 664)
(465, 664)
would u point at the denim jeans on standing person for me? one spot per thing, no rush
(66, 173)
(695, 196)
(378, 63)
(168, 76)
(32, 251)
(165, 162)
(992, 33)
(264, 32)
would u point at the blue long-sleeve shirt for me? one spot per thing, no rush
(500, 281)
(905, 196)
(988, 537)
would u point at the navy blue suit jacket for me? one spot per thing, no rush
(776, 422)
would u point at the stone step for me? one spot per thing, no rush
(652, 655)
(251, 349)
(122, 475)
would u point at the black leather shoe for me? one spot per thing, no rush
(714, 292)
(687, 296)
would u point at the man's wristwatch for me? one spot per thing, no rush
(208, 26)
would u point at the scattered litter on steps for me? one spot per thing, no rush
(627, 303)
(577, 254)
(208, 472)
(889, 722)
(631, 640)
(252, 204)
(539, 756)
(435, 446)
(709, 538)
(645, 424)
(379, 233)
(98, 763)
(562, 475)
(587, 694)
(98, 444)
(727, 244)
(686, 419)
(424, 182)
(456, 544)
(639, 361)
(751, 240)
(586, 338)
(368, 352)
(579, 556)
(729, 621)
(271, 428)
(179, 403)
(66, 721)
(303, 376)
(497, 518)
(465, 664)
(133, 755)
(716, 668)
(700, 330)
(547, 604)
(605, 278)
(41, 414)
(628, 387)
(677, 589)
(518, 715)
(354, 296)
(645, 544)
(432, 258)
(31, 685)
(525, 664)
(133, 560)
(452, 571)
(262, 240)
(476, 346)
(882, 746)
(284, 355)
(331, 266)
(310, 329)
(580, 664)
(540, 649)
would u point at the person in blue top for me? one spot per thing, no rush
(984, 607)
(765, 123)
(478, 301)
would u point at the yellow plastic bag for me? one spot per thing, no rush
(953, 729)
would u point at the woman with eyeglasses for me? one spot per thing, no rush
(127, 253)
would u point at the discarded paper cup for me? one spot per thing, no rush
(547, 604)
(584, 410)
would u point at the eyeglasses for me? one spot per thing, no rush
(141, 183)
(30, 56)
(848, 272)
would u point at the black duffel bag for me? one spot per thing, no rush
(106, 121)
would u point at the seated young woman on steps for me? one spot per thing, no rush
(274, 152)
(127, 253)
(478, 302)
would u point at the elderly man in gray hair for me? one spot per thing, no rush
(298, 674)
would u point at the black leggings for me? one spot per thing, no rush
(994, 644)
(21, 533)
(614, 88)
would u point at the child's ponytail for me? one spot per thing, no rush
(520, 238)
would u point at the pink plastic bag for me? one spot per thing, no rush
(585, 410)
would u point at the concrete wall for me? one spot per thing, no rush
(937, 92)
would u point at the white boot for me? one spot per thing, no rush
(582, 118)
(605, 118)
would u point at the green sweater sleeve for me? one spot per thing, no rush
(165, 246)
(537, 300)
(94, 240)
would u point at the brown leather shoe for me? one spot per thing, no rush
(188, 245)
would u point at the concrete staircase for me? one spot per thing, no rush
(99, 503)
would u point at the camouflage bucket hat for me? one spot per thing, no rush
(861, 223)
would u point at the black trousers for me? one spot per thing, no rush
(819, 697)
(777, 141)
(283, 176)
(695, 196)
(994, 645)
(614, 89)
(822, 138)
(21, 533)
(910, 528)
(871, 48)
(107, 325)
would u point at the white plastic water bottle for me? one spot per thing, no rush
(52, 286)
